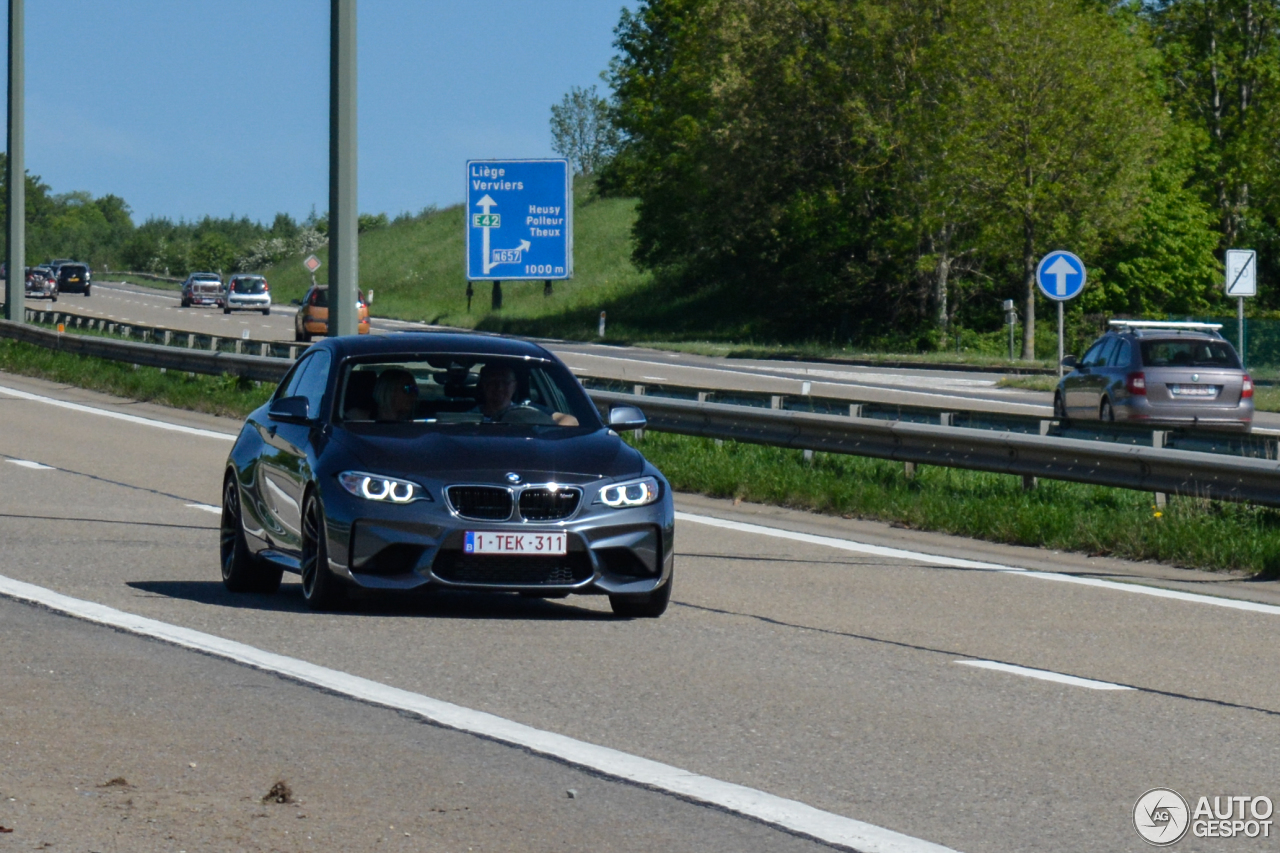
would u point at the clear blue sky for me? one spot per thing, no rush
(221, 106)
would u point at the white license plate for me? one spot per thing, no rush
(536, 544)
(1194, 390)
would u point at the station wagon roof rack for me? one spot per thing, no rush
(1140, 326)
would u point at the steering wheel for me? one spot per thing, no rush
(526, 413)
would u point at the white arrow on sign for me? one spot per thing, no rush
(1060, 269)
(485, 204)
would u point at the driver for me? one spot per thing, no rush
(395, 396)
(497, 394)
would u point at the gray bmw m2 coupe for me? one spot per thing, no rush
(412, 461)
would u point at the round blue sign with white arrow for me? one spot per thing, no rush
(1060, 276)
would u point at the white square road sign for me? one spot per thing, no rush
(1242, 272)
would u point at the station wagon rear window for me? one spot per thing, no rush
(1189, 353)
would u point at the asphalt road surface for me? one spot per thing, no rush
(919, 683)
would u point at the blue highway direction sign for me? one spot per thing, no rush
(1060, 276)
(519, 220)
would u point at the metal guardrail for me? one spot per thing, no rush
(1151, 469)
(1155, 469)
(164, 335)
(215, 363)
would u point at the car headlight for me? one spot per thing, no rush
(373, 487)
(633, 493)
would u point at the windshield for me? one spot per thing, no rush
(440, 390)
(249, 285)
(1189, 353)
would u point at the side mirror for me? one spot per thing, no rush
(290, 410)
(626, 418)
(1069, 361)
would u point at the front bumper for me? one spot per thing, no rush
(420, 546)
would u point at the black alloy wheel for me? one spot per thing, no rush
(647, 606)
(320, 588)
(1105, 412)
(241, 571)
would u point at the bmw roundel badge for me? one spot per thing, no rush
(513, 478)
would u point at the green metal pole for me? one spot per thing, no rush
(344, 253)
(15, 174)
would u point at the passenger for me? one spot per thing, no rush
(395, 396)
(497, 395)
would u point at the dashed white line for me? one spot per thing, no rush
(767, 808)
(35, 466)
(1044, 675)
(207, 508)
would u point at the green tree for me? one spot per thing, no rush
(1222, 58)
(1057, 140)
(581, 131)
(213, 252)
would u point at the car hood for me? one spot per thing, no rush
(536, 454)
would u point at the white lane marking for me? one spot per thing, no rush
(35, 466)
(767, 808)
(120, 416)
(936, 560)
(206, 508)
(655, 378)
(1045, 675)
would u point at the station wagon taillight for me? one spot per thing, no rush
(1246, 390)
(1136, 383)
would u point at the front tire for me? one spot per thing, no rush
(321, 589)
(1059, 409)
(241, 571)
(648, 606)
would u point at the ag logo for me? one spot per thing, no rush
(1161, 817)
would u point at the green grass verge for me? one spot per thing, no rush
(216, 395)
(1094, 520)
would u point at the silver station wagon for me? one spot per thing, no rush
(1158, 373)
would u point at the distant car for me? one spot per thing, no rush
(41, 285)
(246, 292)
(202, 288)
(57, 262)
(1158, 373)
(444, 462)
(74, 277)
(313, 315)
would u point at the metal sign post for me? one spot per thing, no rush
(1061, 276)
(15, 174)
(344, 257)
(1241, 267)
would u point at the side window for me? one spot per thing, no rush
(290, 381)
(1104, 354)
(313, 382)
(1122, 355)
(1091, 357)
